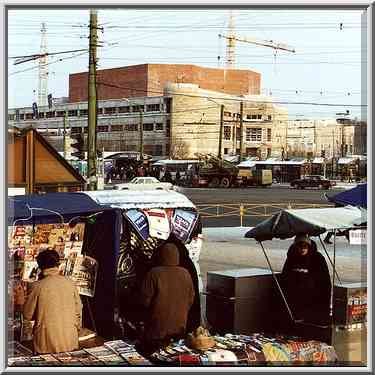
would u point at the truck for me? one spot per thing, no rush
(216, 172)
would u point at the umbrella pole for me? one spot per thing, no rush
(329, 258)
(277, 283)
(333, 274)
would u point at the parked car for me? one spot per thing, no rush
(144, 183)
(317, 181)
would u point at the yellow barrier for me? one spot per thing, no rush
(250, 209)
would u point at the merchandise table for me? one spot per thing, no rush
(229, 350)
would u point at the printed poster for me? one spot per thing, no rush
(83, 273)
(139, 222)
(158, 223)
(183, 223)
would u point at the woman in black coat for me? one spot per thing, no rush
(306, 282)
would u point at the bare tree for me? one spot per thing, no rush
(179, 149)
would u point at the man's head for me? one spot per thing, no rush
(302, 243)
(48, 259)
(168, 255)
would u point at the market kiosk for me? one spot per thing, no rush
(119, 253)
(348, 307)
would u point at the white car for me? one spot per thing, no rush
(144, 183)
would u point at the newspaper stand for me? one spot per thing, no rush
(348, 329)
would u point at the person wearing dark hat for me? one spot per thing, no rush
(306, 282)
(55, 306)
(167, 293)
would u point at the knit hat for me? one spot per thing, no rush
(302, 238)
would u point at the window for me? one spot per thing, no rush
(159, 126)
(269, 117)
(226, 151)
(76, 130)
(83, 112)
(72, 113)
(100, 111)
(110, 110)
(22, 116)
(148, 127)
(103, 129)
(116, 128)
(253, 134)
(227, 113)
(10, 117)
(227, 132)
(137, 108)
(50, 114)
(269, 135)
(158, 150)
(168, 129)
(124, 109)
(60, 113)
(29, 116)
(153, 107)
(132, 127)
(41, 114)
(259, 117)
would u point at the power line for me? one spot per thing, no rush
(235, 99)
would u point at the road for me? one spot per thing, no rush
(210, 203)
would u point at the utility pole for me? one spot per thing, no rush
(141, 135)
(92, 102)
(221, 130)
(241, 130)
(64, 133)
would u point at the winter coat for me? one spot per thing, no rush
(56, 307)
(307, 285)
(167, 292)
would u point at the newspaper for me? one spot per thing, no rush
(83, 271)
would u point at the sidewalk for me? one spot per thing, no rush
(339, 185)
(228, 249)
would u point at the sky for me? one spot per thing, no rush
(325, 70)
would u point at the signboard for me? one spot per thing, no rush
(158, 223)
(358, 237)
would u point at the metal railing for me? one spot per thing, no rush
(250, 209)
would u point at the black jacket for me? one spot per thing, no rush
(307, 285)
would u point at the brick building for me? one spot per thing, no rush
(150, 80)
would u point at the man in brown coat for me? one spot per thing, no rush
(55, 306)
(168, 294)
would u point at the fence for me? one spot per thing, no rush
(250, 209)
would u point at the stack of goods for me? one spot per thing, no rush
(128, 352)
(244, 350)
(112, 353)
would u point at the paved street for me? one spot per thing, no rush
(204, 198)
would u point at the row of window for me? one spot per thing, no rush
(249, 117)
(84, 112)
(251, 134)
(120, 128)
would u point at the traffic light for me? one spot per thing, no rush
(80, 153)
(323, 153)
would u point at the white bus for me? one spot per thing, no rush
(182, 166)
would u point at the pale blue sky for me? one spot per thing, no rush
(326, 67)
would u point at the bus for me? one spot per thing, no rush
(184, 167)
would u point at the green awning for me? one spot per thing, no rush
(312, 221)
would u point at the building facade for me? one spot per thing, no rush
(329, 137)
(150, 79)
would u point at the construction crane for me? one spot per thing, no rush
(232, 39)
(43, 69)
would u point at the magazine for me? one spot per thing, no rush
(19, 361)
(183, 223)
(139, 222)
(78, 358)
(16, 349)
(44, 360)
(158, 223)
(83, 273)
(30, 271)
(67, 359)
(105, 355)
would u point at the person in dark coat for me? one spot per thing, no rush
(306, 282)
(167, 293)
